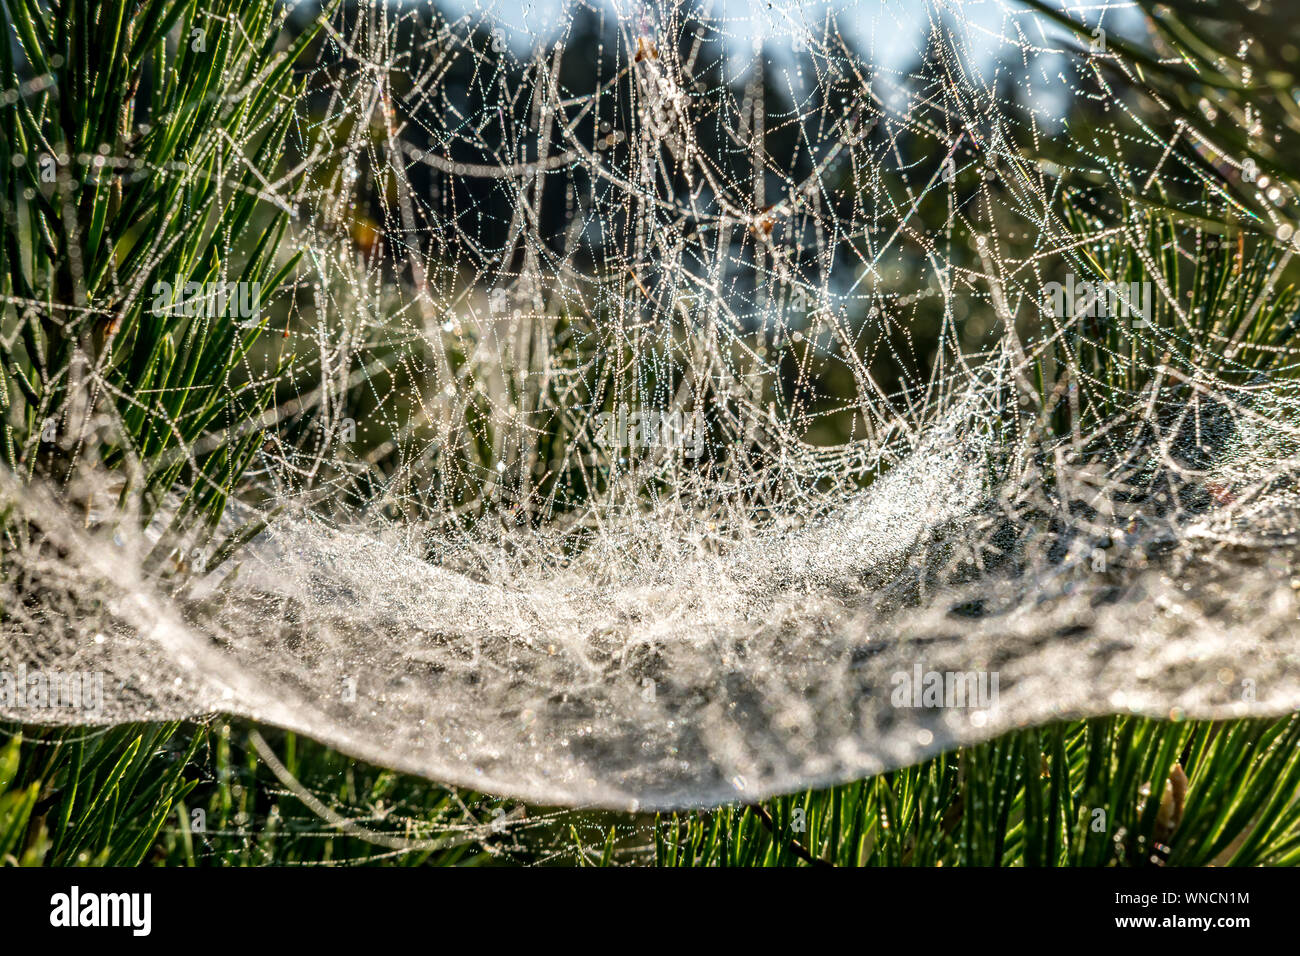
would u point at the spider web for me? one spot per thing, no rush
(673, 386)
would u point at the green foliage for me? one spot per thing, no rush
(1080, 794)
(93, 798)
(1222, 76)
(139, 144)
(1088, 793)
(200, 795)
(164, 122)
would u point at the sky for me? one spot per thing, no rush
(890, 33)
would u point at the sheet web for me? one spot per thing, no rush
(669, 406)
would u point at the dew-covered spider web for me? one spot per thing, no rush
(670, 390)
